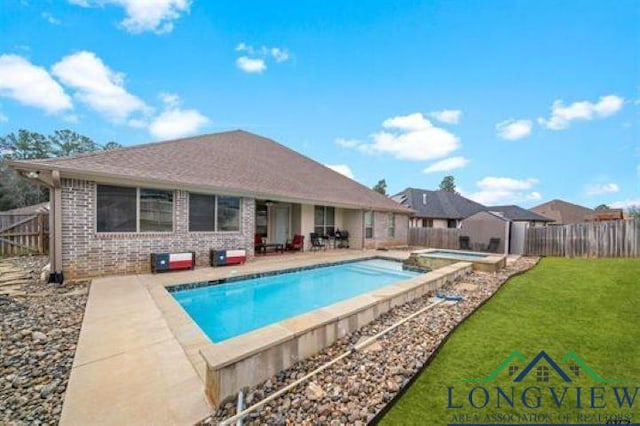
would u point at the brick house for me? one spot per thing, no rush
(111, 209)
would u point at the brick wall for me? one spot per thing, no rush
(380, 228)
(86, 253)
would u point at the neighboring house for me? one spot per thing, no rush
(605, 215)
(111, 209)
(562, 212)
(519, 215)
(437, 209)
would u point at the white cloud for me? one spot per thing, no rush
(343, 169)
(601, 188)
(31, 85)
(50, 18)
(145, 15)
(450, 116)
(255, 59)
(504, 190)
(447, 164)
(513, 129)
(561, 115)
(98, 86)
(349, 143)
(3, 118)
(175, 122)
(408, 137)
(625, 204)
(254, 66)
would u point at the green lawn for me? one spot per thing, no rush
(589, 306)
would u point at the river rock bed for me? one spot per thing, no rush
(356, 388)
(39, 332)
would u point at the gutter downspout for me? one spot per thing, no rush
(55, 228)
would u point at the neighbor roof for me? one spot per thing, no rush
(235, 163)
(563, 212)
(513, 212)
(439, 204)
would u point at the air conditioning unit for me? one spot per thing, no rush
(164, 262)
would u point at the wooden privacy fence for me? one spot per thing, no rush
(620, 238)
(22, 234)
(445, 238)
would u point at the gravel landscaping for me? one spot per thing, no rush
(40, 328)
(358, 387)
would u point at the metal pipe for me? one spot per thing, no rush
(328, 364)
(240, 406)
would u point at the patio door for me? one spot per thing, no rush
(282, 213)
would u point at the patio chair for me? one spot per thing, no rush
(296, 244)
(317, 242)
(258, 244)
(342, 238)
(465, 243)
(494, 243)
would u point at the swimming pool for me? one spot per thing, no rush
(227, 310)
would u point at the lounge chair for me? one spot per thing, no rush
(317, 242)
(465, 243)
(258, 244)
(494, 243)
(297, 243)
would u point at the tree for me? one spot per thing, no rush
(381, 187)
(67, 142)
(634, 211)
(602, 207)
(18, 192)
(111, 145)
(448, 184)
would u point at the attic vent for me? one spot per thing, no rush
(424, 199)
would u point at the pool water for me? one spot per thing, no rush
(456, 255)
(227, 310)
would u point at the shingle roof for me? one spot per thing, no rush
(513, 212)
(235, 162)
(563, 212)
(439, 204)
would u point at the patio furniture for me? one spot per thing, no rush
(163, 262)
(296, 244)
(275, 247)
(342, 239)
(258, 244)
(227, 257)
(465, 243)
(317, 242)
(494, 243)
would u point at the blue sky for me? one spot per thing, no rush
(521, 101)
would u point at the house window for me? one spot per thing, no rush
(324, 220)
(368, 224)
(228, 213)
(391, 225)
(116, 209)
(156, 210)
(427, 223)
(211, 213)
(262, 219)
(202, 213)
(452, 223)
(122, 209)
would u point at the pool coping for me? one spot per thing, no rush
(490, 263)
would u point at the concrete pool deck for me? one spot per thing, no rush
(137, 359)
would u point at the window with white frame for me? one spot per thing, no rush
(324, 220)
(368, 224)
(391, 225)
(213, 213)
(125, 209)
